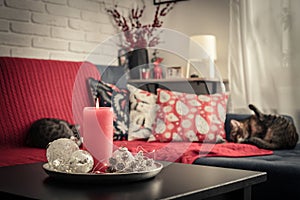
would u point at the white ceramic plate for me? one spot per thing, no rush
(103, 177)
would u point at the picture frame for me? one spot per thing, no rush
(157, 2)
(174, 72)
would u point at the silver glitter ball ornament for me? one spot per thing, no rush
(81, 162)
(59, 153)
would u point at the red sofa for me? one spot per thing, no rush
(33, 89)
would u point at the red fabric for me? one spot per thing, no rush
(172, 152)
(21, 155)
(35, 88)
(189, 152)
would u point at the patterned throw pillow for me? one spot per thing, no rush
(189, 117)
(110, 95)
(142, 113)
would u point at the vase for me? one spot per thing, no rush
(136, 59)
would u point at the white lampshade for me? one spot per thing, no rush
(208, 43)
(202, 60)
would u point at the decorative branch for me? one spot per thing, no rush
(138, 35)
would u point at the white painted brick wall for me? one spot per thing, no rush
(49, 43)
(11, 39)
(84, 5)
(5, 51)
(31, 5)
(4, 25)
(28, 52)
(31, 29)
(14, 14)
(42, 18)
(67, 34)
(83, 25)
(61, 2)
(82, 47)
(53, 29)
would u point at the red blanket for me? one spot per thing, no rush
(189, 152)
(173, 152)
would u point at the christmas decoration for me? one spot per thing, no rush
(81, 162)
(122, 161)
(64, 155)
(59, 152)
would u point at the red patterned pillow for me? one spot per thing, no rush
(189, 117)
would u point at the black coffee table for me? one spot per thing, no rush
(174, 181)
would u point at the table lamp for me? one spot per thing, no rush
(206, 57)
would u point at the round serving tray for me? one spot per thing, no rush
(103, 177)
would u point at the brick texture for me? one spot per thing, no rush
(65, 11)
(49, 43)
(81, 47)
(83, 25)
(53, 29)
(15, 40)
(61, 2)
(67, 34)
(42, 18)
(4, 25)
(30, 53)
(27, 28)
(31, 5)
(85, 5)
(14, 14)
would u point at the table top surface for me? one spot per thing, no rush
(174, 181)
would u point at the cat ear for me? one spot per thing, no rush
(77, 126)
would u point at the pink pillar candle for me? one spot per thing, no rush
(98, 133)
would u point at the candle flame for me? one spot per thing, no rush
(97, 103)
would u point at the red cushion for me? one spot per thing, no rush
(189, 117)
(35, 88)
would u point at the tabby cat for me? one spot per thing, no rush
(265, 131)
(46, 130)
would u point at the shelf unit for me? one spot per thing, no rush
(188, 85)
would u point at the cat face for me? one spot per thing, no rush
(253, 126)
(72, 131)
(242, 130)
(239, 131)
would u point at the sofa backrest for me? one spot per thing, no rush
(33, 88)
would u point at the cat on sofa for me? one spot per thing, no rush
(265, 131)
(46, 130)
